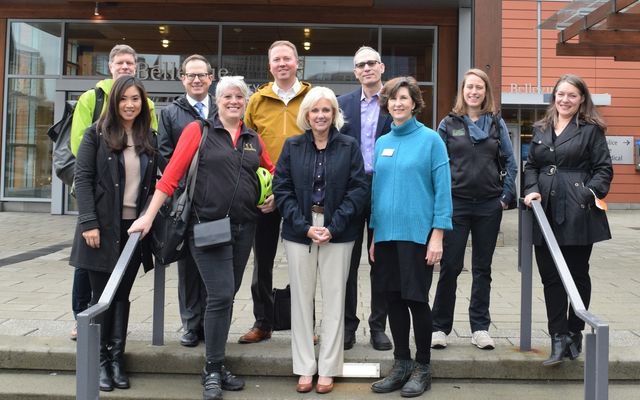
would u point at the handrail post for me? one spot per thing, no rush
(88, 343)
(157, 338)
(602, 362)
(525, 262)
(87, 364)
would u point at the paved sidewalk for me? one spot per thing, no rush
(35, 285)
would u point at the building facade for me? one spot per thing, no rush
(52, 51)
(530, 68)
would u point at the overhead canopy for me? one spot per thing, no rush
(601, 28)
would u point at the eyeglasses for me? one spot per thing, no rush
(192, 77)
(370, 63)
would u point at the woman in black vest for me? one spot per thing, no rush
(569, 170)
(483, 172)
(114, 176)
(226, 183)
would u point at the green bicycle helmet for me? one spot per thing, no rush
(266, 187)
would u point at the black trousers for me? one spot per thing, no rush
(221, 269)
(264, 251)
(192, 295)
(561, 317)
(482, 220)
(406, 279)
(80, 291)
(378, 316)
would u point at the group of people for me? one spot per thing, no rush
(339, 165)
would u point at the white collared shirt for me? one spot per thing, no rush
(205, 102)
(287, 95)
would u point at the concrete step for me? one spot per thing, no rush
(20, 385)
(273, 358)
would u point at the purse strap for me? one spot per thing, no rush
(235, 189)
(193, 169)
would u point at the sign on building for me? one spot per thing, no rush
(621, 149)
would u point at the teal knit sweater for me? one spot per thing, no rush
(411, 193)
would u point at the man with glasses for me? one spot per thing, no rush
(366, 123)
(272, 112)
(122, 61)
(195, 104)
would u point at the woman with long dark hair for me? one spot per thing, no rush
(114, 176)
(569, 170)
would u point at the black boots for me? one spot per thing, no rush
(559, 346)
(118, 343)
(575, 348)
(419, 382)
(106, 380)
(398, 376)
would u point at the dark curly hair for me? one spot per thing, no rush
(390, 89)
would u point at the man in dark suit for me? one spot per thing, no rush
(366, 123)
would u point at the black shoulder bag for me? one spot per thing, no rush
(170, 225)
(217, 232)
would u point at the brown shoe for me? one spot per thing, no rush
(305, 384)
(255, 335)
(323, 389)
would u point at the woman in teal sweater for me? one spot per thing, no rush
(410, 209)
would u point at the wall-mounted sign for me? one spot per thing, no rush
(169, 71)
(621, 149)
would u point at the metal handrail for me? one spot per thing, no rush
(87, 349)
(596, 364)
(88, 342)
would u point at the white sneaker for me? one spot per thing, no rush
(438, 340)
(482, 340)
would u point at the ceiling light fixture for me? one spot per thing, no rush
(165, 43)
(306, 45)
(96, 11)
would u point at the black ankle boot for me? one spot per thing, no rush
(419, 382)
(118, 343)
(575, 348)
(559, 345)
(398, 376)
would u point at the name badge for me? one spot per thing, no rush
(457, 132)
(387, 152)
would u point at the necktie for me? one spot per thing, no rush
(200, 107)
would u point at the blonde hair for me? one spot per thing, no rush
(487, 106)
(283, 43)
(316, 94)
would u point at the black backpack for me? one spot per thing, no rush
(60, 133)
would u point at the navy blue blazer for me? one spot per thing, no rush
(350, 105)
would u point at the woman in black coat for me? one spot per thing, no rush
(569, 170)
(320, 190)
(114, 176)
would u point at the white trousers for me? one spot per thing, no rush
(331, 262)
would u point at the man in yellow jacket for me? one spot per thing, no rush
(272, 112)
